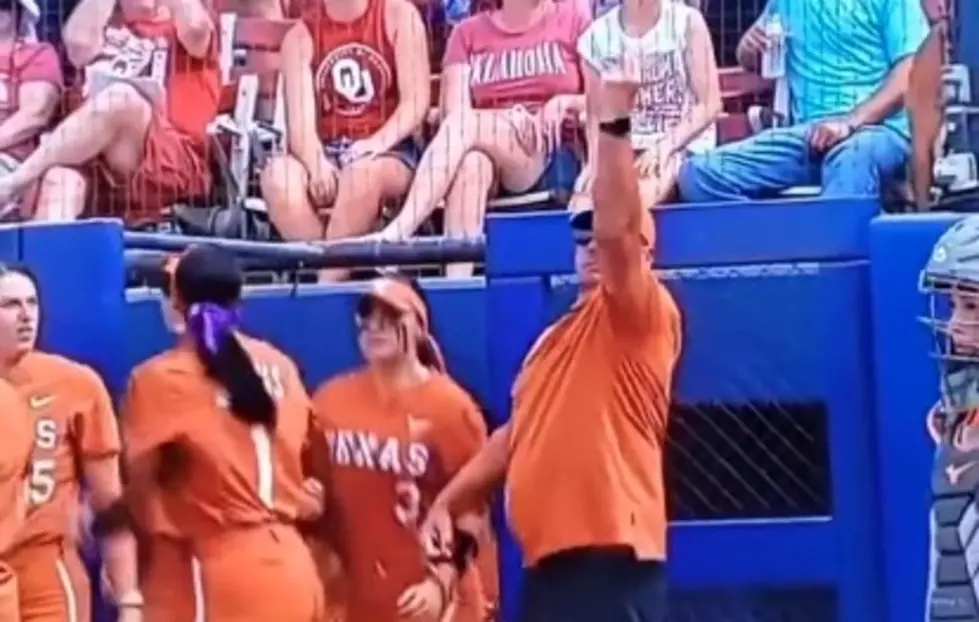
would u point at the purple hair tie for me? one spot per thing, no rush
(211, 323)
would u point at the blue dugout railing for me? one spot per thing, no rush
(798, 463)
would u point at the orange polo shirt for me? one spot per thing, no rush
(589, 419)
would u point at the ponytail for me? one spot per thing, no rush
(225, 361)
(430, 354)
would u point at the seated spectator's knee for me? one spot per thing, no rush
(283, 180)
(476, 167)
(690, 177)
(122, 104)
(863, 164)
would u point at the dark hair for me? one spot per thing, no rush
(207, 286)
(426, 356)
(21, 269)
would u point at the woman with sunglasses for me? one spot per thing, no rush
(398, 429)
(221, 420)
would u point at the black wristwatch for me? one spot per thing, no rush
(620, 128)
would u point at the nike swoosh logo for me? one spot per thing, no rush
(37, 402)
(955, 472)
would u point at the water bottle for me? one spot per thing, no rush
(773, 60)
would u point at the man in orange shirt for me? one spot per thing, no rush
(582, 454)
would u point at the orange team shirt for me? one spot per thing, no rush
(354, 70)
(589, 423)
(17, 436)
(73, 421)
(170, 399)
(392, 453)
(150, 49)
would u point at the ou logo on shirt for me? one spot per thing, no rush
(351, 77)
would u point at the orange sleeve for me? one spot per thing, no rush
(17, 440)
(98, 433)
(628, 285)
(461, 440)
(153, 412)
(640, 306)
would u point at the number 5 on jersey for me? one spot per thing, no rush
(42, 478)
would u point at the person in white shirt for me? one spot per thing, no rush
(680, 96)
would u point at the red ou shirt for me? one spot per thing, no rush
(20, 64)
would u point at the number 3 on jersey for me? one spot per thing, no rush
(42, 481)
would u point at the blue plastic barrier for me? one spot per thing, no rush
(803, 366)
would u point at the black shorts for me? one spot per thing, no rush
(594, 585)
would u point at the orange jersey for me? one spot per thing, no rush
(17, 438)
(73, 422)
(236, 474)
(392, 452)
(239, 486)
(588, 425)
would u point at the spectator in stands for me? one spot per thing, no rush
(30, 89)
(511, 87)
(846, 67)
(151, 85)
(357, 89)
(681, 93)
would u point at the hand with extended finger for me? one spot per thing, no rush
(621, 78)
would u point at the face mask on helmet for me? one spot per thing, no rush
(953, 317)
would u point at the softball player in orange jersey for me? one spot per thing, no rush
(16, 444)
(75, 437)
(170, 577)
(398, 429)
(223, 418)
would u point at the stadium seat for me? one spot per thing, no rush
(250, 128)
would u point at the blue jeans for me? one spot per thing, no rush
(775, 160)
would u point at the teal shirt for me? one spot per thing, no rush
(841, 51)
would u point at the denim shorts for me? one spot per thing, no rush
(560, 172)
(408, 152)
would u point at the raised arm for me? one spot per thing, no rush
(194, 25)
(623, 231)
(414, 74)
(84, 31)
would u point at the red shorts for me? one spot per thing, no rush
(52, 583)
(175, 169)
